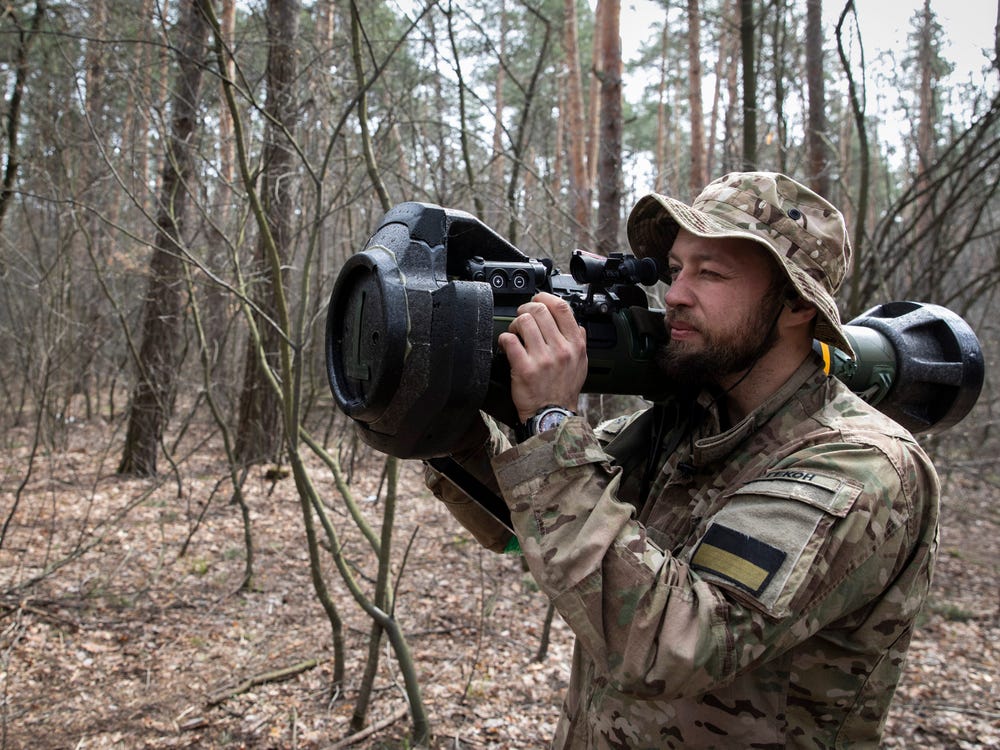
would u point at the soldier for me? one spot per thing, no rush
(741, 563)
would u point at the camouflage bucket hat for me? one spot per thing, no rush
(803, 232)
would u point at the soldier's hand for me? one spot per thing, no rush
(547, 351)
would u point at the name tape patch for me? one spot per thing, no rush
(797, 475)
(747, 562)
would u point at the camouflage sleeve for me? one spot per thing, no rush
(484, 441)
(662, 626)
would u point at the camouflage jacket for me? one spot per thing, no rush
(764, 595)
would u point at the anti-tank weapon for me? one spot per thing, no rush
(413, 321)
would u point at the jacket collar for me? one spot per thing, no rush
(707, 450)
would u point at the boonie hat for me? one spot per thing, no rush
(803, 231)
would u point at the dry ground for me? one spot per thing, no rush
(132, 645)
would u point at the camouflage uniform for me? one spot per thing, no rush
(757, 588)
(764, 595)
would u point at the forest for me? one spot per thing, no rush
(196, 550)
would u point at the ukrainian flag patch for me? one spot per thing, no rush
(738, 558)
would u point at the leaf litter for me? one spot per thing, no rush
(131, 645)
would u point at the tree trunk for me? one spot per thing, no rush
(13, 120)
(609, 190)
(927, 246)
(227, 146)
(147, 92)
(697, 177)
(816, 136)
(926, 118)
(858, 110)
(159, 359)
(472, 167)
(557, 177)
(722, 68)
(260, 432)
(579, 184)
(596, 76)
(731, 158)
(498, 217)
(748, 39)
(996, 40)
(520, 150)
(94, 192)
(778, 36)
(660, 183)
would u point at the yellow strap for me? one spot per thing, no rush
(825, 351)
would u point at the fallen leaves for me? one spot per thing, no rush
(131, 646)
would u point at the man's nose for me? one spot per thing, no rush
(679, 292)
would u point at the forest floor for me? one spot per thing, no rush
(144, 639)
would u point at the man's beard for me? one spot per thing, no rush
(727, 353)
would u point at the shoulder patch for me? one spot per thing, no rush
(777, 523)
(608, 430)
(736, 557)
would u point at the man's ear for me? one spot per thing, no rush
(798, 306)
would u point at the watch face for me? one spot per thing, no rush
(550, 419)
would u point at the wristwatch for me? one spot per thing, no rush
(546, 418)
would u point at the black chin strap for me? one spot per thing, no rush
(760, 355)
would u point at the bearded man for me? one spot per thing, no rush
(741, 563)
